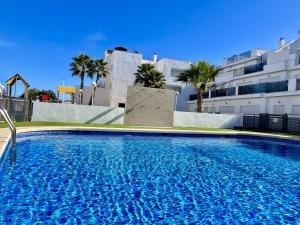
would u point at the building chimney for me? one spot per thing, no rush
(281, 42)
(155, 57)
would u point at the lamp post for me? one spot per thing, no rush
(63, 94)
(1, 90)
(176, 94)
(94, 85)
(80, 96)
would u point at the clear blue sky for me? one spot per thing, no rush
(39, 38)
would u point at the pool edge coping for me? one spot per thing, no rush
(5, 133)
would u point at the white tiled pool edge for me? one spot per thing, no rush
(4, 139)
(5, 133)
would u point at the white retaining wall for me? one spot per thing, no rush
(55, 112)
(193, 119)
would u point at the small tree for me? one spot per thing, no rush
(148, 76)
(199, 75)
(97, 67)
(79, 68)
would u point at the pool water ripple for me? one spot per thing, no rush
(121, 179)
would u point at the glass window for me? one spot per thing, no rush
(263, 88)
(254, 68)
(194, 96)
(298, 84)
(277, 86)
(223, 92)
(245, 55)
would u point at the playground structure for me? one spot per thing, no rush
(19, 109)
(66, 90)
(12, 82)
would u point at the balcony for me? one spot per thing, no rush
(254, 68)
(249, 69)
(223, 92)
(271, 87)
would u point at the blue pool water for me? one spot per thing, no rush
(94, 178)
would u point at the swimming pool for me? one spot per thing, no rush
(119, 178)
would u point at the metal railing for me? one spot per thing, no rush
(9, 122)
(282, 123)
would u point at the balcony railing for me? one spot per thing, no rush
(271, 87)
(254, 68)
(223, 92)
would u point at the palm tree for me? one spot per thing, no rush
(97, 67)
(148, 76)
(199, 75)
(79, 68)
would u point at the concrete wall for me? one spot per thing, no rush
(190, 119)
(123, 65)
(149, 106)
(54, 112)
(184, 96)
(101, 98)
(143, 113)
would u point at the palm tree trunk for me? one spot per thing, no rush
(81, 88)
(199, 100)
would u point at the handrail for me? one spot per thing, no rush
(9, 123)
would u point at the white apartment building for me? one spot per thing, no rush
(257, 81)
(122, 65)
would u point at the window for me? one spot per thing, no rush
(245, 55)
(297, 58)
(254, 68)
(298, 84)
(194, 96)
(223, 92)
(122, 105)
(263, 88)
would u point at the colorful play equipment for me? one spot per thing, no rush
(66, 90)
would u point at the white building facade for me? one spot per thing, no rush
(122, 65)
(257, 81)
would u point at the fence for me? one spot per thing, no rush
(18, 109)
(272, 122)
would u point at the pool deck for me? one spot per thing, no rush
(5, 132)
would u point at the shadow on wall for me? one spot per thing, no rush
(99, 116)
(140, 102)
(116, 118)
(149, 106)
(234, 122)
(102, 114)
